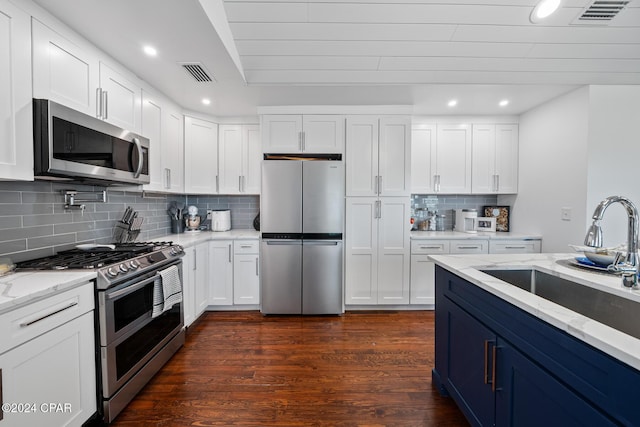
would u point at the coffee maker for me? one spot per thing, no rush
(465, 220)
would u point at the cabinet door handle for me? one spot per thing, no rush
(300, 140)
(486, 361)
(105, 105)
(497, 182)
(167, 178)
(98, 103)
(379, 184)
(304, 141)
(217, 183)
(257, 269)
(229, 252)
(51, 313)
(239, 184)
(375, 185)
(493, 368)
(195, 259)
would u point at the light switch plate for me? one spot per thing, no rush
(565, 214)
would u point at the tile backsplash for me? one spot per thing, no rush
(34, 223)
(445, 205)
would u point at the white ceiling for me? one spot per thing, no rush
(332, 52)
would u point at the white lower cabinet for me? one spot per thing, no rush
(246, 277)
(195, 283)
(423, 269)
(234, 271)
(422, 288)
(221, 272)
(377, 251)
(48, 375)
(515, 246)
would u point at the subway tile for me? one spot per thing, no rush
(94, 234)
(42, 198)
(13, 246)
(25, 209)
(10, 197)
(29, 255)
(10, 222)
(37, 186)
(73, 227)
(26, 232)
(41, 242)
(32, 220)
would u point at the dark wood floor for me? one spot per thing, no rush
(360, 369)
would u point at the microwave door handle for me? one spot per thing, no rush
(136, 174)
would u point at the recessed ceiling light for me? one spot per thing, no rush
(150, 50)
(452, 103)
(504, 103)
(543, 9)
(206, 101)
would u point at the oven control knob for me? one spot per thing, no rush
(123, 268)
(133, 265)
(111, 272)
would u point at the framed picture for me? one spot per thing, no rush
(501, 214)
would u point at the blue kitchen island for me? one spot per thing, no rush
(509, 357)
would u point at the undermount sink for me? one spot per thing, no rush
(611, 310)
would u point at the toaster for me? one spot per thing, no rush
(220, 219)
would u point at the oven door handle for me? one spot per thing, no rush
(132, 288)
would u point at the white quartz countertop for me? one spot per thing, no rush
(190, 239)
(20, 288)
(611, 341)
(455, 235)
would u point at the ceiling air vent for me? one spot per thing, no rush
(197, 71)
(600, 11)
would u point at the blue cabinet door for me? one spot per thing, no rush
(469, 368)
(528, 396)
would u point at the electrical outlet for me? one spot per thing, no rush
(565, 214)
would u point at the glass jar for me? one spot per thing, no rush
(440, 222)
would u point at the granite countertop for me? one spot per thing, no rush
(191, 239)
(483, 235)
(611, 341)
(21, 288)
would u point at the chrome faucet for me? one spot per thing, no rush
(627, 266)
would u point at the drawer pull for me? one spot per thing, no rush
(246, 246)
(431, 247)
(468, 247)
(36, 320)
(515, 247)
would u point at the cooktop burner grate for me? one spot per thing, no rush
(93, 258)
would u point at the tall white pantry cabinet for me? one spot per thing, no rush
(377, 243)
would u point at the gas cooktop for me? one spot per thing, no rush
(94, 257)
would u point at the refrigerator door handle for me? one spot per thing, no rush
(283, 243)
(321, 242)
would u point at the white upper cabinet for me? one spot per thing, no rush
(378, 155)
(451, 162)
(291, 133)
(495, 159)
(394, 159)
(16, 117)
(201, 156)
(173, 150)
(507, 158)
(120, 98)
(68, 73)
(240, 159)
(423, 144)
(152, 128)
(64, 72)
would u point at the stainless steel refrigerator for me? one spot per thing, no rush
(301, 221)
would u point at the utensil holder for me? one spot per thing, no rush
(177, 226)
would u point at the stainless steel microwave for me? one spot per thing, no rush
(74, 146)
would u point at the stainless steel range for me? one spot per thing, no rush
(133, 342)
